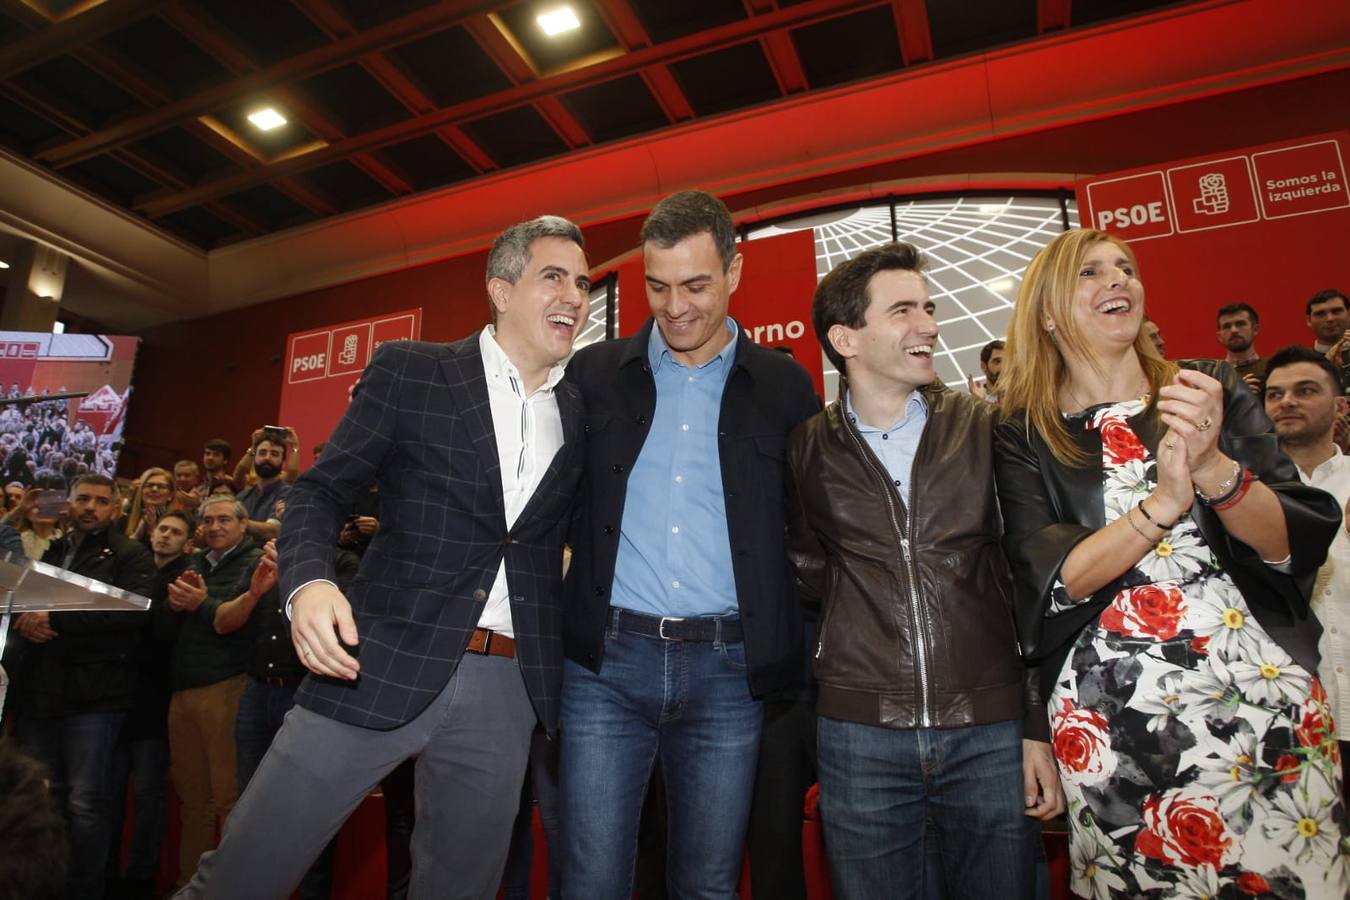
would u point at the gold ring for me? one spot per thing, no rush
(1204, 426)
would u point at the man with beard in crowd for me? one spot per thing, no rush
(260, 499)
(1238, 327)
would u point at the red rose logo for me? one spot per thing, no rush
(1185, 829)
(1148, 611)
(1081, 746)
(1252, 884)
(1288, 767)
(1119, 442)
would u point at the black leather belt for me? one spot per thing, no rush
(726, 629)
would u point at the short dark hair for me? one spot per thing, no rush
(219, 445)
(1232, 309)
(841, 297)
(1298, 354)
(686, 214)
(1323, 297)
(988, 350)
(175, 514)
(511, 250)
(33, 848)
(96, 480)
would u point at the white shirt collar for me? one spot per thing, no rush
(1331, 465)
(498, 366)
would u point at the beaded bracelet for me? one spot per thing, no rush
(1226, 489)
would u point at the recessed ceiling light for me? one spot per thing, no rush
(1000, 285)
(558, 20)
(267, 119)
(3, 264)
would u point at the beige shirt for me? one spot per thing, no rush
(1331, 595)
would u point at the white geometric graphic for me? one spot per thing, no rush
(347, 355)
(977, 249)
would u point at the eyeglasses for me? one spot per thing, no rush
(156, 486)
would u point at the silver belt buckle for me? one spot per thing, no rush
(661, 629)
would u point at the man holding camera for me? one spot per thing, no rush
(77, 678)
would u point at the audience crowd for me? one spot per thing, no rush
(190, 695)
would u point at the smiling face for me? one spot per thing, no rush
(222, 527)
(539, 316)
(1303, 403)
(1108, 302)
(689, 292)
(894, 347)
(155, 490)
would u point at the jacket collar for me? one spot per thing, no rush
(744, 358)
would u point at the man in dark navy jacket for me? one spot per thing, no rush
(450, 648)
(682, 611)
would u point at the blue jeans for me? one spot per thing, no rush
(146, 763)
(79, 750)
(878, 786)
(262, 708)
(688, 702)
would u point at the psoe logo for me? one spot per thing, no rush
(777, 331)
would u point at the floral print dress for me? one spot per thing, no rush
(1197, 758)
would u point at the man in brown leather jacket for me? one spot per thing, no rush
(924, 711)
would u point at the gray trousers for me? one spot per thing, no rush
(472, 744)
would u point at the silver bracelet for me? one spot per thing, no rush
(1225, 488)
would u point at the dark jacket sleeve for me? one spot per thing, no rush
(317, 503)
(134, 571)
(10, 540)
(1311, 515)
(1036, 543)
(804, 549)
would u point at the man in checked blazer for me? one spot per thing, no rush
(450, 647)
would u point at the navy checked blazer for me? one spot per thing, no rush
(420, 425)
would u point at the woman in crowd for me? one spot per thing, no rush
(35, 530)
(150, 499)
(1163, 550)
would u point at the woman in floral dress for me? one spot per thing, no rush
(1163, 551)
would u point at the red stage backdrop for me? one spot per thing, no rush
(773, 302)
(1266, 225)
(323, 364)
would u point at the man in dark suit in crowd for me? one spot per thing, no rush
(681, 610)
(78, 678)
(450, 648)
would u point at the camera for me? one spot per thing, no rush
(275, 433)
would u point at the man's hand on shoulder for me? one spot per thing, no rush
(1040, 781)
(319, 616)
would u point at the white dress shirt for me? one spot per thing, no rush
(529, 434)
(1331, 595)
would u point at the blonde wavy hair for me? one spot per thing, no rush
(1033, 360)
(137, 510)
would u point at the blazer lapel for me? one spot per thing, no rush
(462, 366)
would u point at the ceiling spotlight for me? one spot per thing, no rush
(3, 264)
(558, 20)
(1000, 285)
(266, 119)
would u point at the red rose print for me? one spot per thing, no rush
(1200, 644)
(1288, 767)
(1316, 729)
(1252, 884)
(1080, 744)
(1148, 611)
(1119, 442)
(1185, 829)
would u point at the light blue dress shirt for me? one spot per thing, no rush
(674, 550)
(896, 446)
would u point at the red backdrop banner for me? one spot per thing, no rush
(322, 364)
(1266, 225)
(773, 302)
